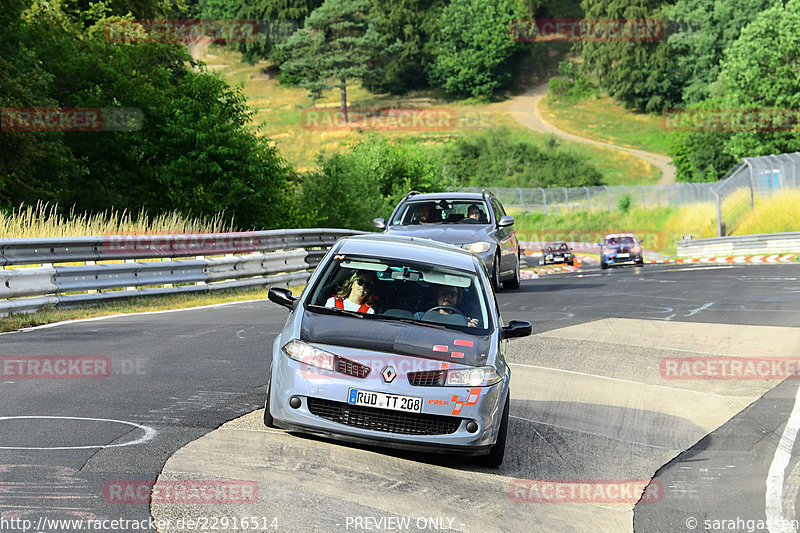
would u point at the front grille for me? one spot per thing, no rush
(351, 368)
(428, 378)
(383, 419)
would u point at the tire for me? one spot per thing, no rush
(497, 452)
(603, 265)
(268, 420)
(514, 282)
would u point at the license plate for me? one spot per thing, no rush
(623, 255)
(409, 404)
(558, 258)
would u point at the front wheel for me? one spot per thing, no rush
(498, 451)
(513, 283)
(268, 420)
(603, 265)
(496, 274)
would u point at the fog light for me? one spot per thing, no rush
(295, 402)
(472, 426)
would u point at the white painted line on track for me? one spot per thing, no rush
(700, 309)
(776, 521)
(108, 317)
(149, 433)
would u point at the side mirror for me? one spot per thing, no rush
(506, 221)
(600, 244)
(641, 241)
(379, 223)
(517, 328)
(282, 297)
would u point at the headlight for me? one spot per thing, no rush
(305, 353)
(548, 256)
(473, 377)
(477, 247)
(637, 249)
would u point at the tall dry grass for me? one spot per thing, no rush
(44, 220)
(775, 214)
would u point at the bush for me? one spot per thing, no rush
(498, 158)
(351, 189)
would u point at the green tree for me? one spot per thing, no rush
(473, 47)
(703, 30)
(337, 45)
(639, 73)
(760, 70)
(413, 23)
(352, 188)
(193, 150)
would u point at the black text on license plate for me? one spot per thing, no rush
(380, 400)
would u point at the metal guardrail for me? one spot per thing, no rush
(760, 244)
(41, 272)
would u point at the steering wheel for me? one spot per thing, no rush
(447, 307)
(468, 220)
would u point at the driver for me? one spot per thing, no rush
(447, 296)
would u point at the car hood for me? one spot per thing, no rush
(447, 233)
(390, 336)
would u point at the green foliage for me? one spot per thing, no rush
(624, 203)
(278, 17)
(472, 47)
(500, 159)
(352, 188)
(703, 30)
(193, 150)
(760, 70)
(642, 75)
(337, 45)
(412, 23)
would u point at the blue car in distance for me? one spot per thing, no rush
(620, 249)
(395, 341)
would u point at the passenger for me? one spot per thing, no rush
(449, 297)
(355, 293)
(474, 212)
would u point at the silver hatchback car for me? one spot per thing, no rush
(395, 341)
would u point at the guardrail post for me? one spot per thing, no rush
(521, 201)
(719, 213)
(588, 198)
(608, 196)
(544, 199)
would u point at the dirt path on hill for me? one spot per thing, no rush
(525, 110)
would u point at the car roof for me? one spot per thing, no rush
(410, 248)
(611, 235)
(454, 195)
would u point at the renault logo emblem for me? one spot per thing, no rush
(389, 373)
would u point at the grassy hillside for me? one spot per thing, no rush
(279, 110)
(603, 119)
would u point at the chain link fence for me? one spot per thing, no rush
(734, 195)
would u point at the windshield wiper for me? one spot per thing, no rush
(413, 321)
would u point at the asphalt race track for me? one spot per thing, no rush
(608, 429)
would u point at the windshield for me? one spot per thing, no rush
(370, 288)
(442, 212)
(614, 241)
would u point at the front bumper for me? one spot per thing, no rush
(323, 409)
(613, 259)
